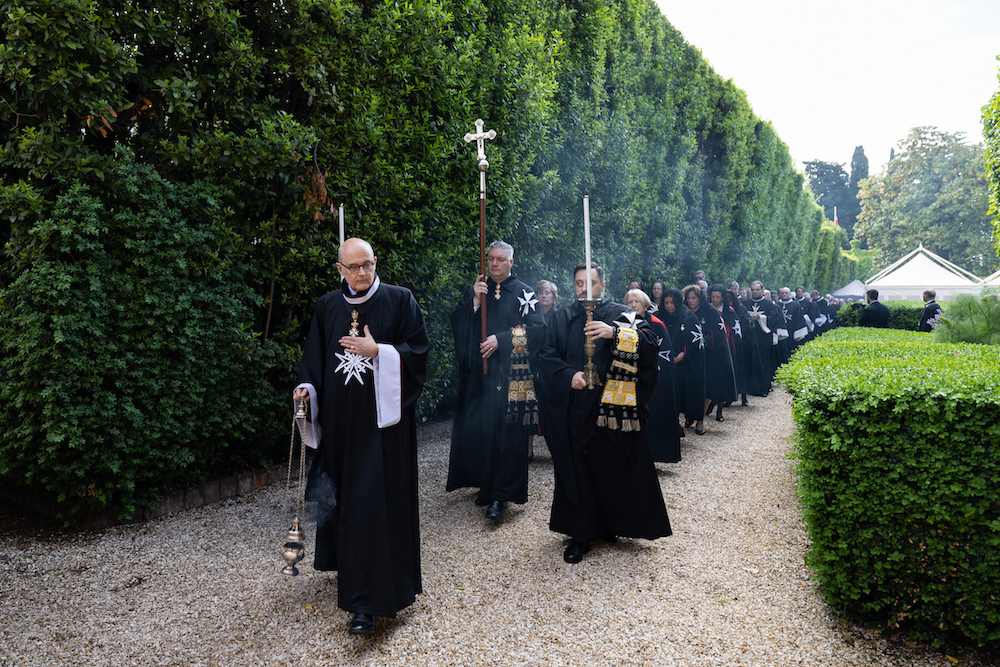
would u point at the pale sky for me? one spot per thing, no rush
(831, 76)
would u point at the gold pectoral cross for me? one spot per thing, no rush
(497, 295)
(354, 324)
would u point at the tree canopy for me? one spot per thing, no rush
(933, 192)
(835, 188)
(991, 132)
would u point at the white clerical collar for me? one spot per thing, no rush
(355, 300)
(784, 302)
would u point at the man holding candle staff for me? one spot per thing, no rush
(606, 483)
(498, 410)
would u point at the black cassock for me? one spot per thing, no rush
(486, 451)
(735, 322)
(372, 535)
(689, 373)
(761, 340)
(664, 431)
(606, 483)
(792, 330)
(720, 380)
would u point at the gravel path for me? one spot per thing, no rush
(203, 587)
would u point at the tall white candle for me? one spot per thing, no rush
(341, 224)
(586, 241)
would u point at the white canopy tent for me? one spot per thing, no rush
(852, 290)
(992, 280)
(919, 270)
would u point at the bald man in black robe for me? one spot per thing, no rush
(362, 370)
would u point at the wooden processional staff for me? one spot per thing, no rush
(482, 165)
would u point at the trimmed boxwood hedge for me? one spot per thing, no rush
(899, 471)
(904, 315)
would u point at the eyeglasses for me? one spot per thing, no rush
(354, 268)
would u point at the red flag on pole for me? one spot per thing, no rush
(835, 222)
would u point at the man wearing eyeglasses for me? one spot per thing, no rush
(362, 370)
(498, 410)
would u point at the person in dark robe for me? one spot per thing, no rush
(792, 331)
(664, 431)
(931, 314)
(875, 314)
(808, 310)
(656, 295)
(821, 313)
(498, 411)
(681, 326)
(761, 341)
(362, 370)
(720, 380)
(739, 324)
(606, 485)
(548, 300)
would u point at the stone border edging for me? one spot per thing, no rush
(189, 498)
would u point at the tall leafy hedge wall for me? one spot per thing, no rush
(899, 470)
(259, 101)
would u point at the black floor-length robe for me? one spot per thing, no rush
(664, 431)
(792, 330)
(720, 380)
(606, 483)
(372, 535)
(761, 340)
(691, 379)
(735, 324)
(486, 451)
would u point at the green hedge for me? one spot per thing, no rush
(903, 315)
(126, 364)
(899, 471)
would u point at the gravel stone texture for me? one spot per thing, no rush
(203, 587)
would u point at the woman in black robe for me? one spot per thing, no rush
(720, 383)
(740, 325)
(656, 296)
(717, 297)
(687, 353)
(548, 302)
(664, 431)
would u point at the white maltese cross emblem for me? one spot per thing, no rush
(528, 301)
(698, 337)
(353, 365)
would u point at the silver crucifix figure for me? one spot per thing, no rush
(480, 138)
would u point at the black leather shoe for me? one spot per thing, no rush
(720, 418)
(495, 511)
(362, 624)
(574, 551)
(688, 423)
(701, 432)
(744, 402)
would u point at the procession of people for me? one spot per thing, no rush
(604, 383)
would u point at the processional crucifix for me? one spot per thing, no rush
(482, 165)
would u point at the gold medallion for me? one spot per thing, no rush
(354, 324)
